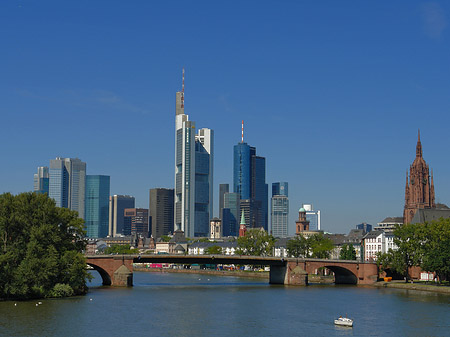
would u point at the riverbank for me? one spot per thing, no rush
(413, 286)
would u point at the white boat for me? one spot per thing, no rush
(344, 321)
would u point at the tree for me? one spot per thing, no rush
(256, 242)
(165, 238)
(298, 246)
(347, 252)
(320, 246)
(410, 249)
(213, 250)
(41, 246)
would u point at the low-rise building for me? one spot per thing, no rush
(373, 243)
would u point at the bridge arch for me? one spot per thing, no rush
(342, 275)
(106, 278)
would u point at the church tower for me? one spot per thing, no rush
(301, 224)
(419, 190)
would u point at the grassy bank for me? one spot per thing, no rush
(414, 286)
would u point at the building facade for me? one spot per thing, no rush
(136, 222)
(193, 173)
(117, 205)
(230, 214)
(41, 180)
(419, 189)
(223, 188)
(279, 209)
(249, 181)
(161, 203)
(67, 183)
(97, 206)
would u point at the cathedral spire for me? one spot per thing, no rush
(419, 147)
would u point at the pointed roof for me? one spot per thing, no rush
(418, 146)
(242, 219)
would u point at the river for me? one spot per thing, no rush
(165, 304)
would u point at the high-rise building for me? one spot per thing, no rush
(280, 188)
(67, 183)
(419, 190)
(41, 180)
(97, 206)
(249, 181)
(279, 209)
(230, 214)
(161, 213)
(117, 205)
(223, 188)
(204, 161)
(313, 216)
(194, 157)
(136, 221)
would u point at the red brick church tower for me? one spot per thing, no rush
(419, 190)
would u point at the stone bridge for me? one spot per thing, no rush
(117, 270)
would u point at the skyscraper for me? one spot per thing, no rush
(223, 188)
(67, 183)
(117, 205)
(279, 209)
(136, 221)
(230, 214)
(194, 157)
(249, 181)
(41, 180)
(161, 211)
(97, 206)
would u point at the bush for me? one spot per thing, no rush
(61, 290)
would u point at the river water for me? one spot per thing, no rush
(165, 304)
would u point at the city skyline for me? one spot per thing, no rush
(334, 108)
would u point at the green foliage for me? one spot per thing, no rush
(298, 246)
(347, 252)
(425, 245)
(165, 238)
(320, 246)
(61, 290)
(256, 242)
(121, 249)
(40, 245)
(213, 250)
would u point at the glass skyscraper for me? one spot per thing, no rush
(117, 205)
(97, 206)
(249, 181)
(67, 183)
(280, 209)
(194, 157)
(230, 214)
(41, 180)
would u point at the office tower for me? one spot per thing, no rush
(67, 183)
(97, 206)
(223, 188)
(136, 222)
(249, 181)
(215, 228)
(313, 216)
(117, 205)
(230, 214)
(279, 209)
(41, 180)
(280, 188)
(204, 159)
(193, 173)
(161, 213)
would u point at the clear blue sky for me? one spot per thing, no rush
(332, 94)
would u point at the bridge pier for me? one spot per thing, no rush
(290, 274)
(115, 270)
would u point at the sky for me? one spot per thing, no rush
(332, 93)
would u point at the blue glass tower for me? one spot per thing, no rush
(279, 209)
(97, 206)
(249, 181)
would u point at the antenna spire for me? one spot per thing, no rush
(182, 91)
(242, 137)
